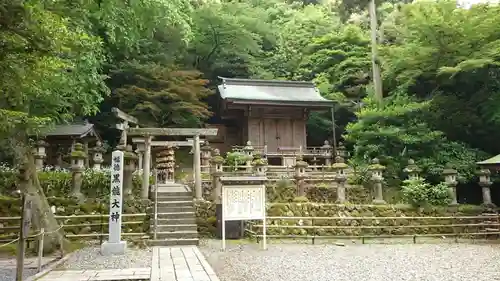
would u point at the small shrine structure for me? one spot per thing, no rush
(268, 113)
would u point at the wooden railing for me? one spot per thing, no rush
(459, 227)
(11, 225)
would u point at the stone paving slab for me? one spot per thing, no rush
(97, 275)
(185, 263)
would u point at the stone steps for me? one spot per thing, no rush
(173, 242)
(176, 218)
(176, 215)
(177, 227)
(185, 234)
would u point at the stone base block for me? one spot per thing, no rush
(110, 249)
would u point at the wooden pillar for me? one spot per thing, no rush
(147, 168)
(197, 166)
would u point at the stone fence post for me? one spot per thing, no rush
(450, 178)
(377, 178)
(340, 178)
(78, 157)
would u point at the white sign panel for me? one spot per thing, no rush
(244, 202)
(115, 196)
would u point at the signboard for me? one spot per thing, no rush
(244, 202)
(115, 196)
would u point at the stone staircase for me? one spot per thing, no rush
(176, 216)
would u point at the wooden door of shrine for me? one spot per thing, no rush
(270, 135)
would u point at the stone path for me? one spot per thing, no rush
(183, 263)
(180, 264)
(102, 275)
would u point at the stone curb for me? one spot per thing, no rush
(49, 268)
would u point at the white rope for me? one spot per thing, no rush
(6, 244)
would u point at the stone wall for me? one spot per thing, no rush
(78, 225)
(283, 191)
(206, 220)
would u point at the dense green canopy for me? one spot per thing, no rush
(159, 60)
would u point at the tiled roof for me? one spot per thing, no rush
(76, 130)
(289, 92)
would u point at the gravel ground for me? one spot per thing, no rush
(9, 274)
(91, 258)
(371, 262)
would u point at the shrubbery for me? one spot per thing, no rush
(58, 183)
(419, 193)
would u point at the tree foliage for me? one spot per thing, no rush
(160, 59)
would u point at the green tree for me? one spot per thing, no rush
(398, 132)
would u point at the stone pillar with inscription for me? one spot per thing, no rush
(114, 245)
(340, 178)
(376, 170)
(300, 175)
(128, 170)
(97, 158)
(206, 155)
(78, 157)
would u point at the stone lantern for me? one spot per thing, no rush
(216, 165)
(260, 165)
(412, 170)
(248, 150)
(130, 159)
(485, 183)
(300, 175)
(217, 161)
(97, 156)
(40, 153)
(341, 150)
(340, 169)
(377, 178)
(78, 157)
(326, 151)
(450, 179)
(206, 152)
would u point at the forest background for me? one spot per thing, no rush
(67, 60)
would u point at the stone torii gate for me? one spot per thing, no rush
(149, 133)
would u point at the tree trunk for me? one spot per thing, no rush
(42, 216)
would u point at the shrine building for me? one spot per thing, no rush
(269, 113)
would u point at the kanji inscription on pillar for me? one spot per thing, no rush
(243, 202)
(115, 196)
